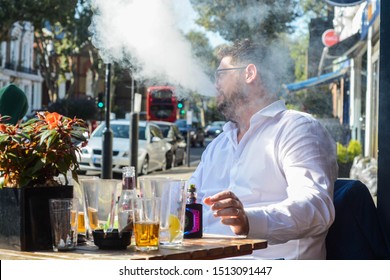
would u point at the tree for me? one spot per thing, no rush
(61, 33)
(315, 9)
(203, 51)
(298, 51)
(37, 12)
(261, 20)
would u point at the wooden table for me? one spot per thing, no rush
(208, 247)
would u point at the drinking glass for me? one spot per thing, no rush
(172, 193)
(100, 197)
(146, 218)
(63, 219)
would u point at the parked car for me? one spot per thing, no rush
(214, 129)
(152, 148)
(173, 136)
(197, 134)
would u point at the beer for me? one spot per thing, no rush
(93, 218)
(146, 234)
(81, 222)
(72, 218)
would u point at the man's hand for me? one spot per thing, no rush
(229, 208)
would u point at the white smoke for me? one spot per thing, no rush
(145, 33)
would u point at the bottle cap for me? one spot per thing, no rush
(128, 171)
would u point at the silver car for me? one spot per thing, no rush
(173, 136)
(152, 148)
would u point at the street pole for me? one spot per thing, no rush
(133, 132)
(107, 132)
(189, 126)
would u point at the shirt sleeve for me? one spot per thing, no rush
(307, 157)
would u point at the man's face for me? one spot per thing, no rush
(230, 85)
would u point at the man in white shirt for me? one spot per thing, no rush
(270, 174)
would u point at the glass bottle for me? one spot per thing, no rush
(193, 215)
(125, 211)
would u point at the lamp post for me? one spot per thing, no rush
(133, 135)
(107, 132)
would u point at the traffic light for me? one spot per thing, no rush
(180, 105)
(100, 101)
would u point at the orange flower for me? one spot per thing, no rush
(3, 128)
(53, 119)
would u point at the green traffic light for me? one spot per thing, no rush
(182, 112)
(100, 104)
(179, 105)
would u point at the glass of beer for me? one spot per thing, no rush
(146, 217)
(173, 202)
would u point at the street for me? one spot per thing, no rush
(194, 158)
(196, 153)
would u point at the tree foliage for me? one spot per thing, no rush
(203, 51)
(61, 33)
(317, 9)
(260, 20)
(38, 12)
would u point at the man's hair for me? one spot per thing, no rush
(243, 51)
(270, 62)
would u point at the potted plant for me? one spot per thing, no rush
(346, 155)
(33, 156)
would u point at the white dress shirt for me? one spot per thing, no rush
(283, 171)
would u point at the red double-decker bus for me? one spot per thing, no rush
(161, 103)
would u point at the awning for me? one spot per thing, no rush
(344, 3)
(316, 81)
(344, 47)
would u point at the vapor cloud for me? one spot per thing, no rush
(146, 34)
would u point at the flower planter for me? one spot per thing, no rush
(344, 169)
(24, 216)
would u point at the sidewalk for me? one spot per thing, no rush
(180, 172)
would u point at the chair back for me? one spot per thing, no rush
(356, 233)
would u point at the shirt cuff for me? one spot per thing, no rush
(258, 225)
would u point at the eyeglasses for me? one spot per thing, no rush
(218, 73)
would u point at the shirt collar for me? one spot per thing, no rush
(270, 111)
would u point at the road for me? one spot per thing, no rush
(195, 155)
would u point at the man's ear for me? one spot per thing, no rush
(251, 73)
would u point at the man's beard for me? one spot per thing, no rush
(229, 106)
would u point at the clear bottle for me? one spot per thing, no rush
(125, 211)
(128, 178)
(193, 216)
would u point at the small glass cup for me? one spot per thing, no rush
(146, 217)
(63, 219)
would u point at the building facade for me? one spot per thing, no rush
(17, 63)
(358, 49)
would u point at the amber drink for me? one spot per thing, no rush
(93, 218)
(81, 222)
(146, 234)
(146, 217)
